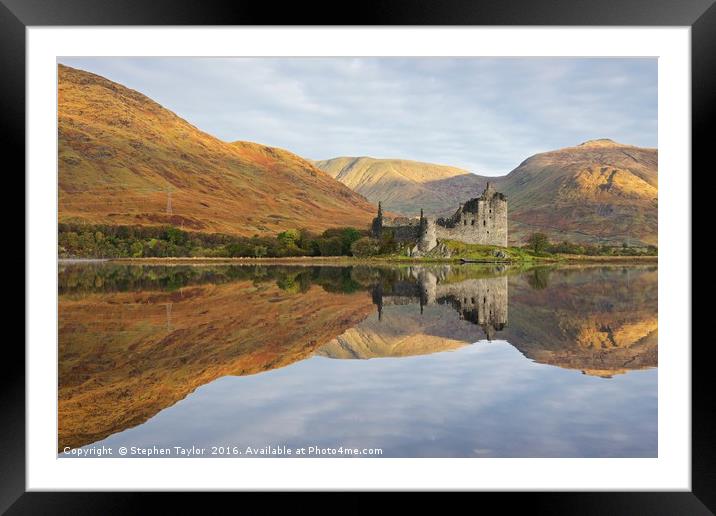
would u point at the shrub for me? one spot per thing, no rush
(106, 241)
(538, 242)
(259, 251)
(330, 246)
(289, 237)
(365, 246)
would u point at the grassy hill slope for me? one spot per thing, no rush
(124, 159)
(597, 192)
(405, 186)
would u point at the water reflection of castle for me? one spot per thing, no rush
(481, 301)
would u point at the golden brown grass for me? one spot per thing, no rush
(120, 153)
(598, 192)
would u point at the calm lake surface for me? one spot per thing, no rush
(416, 361)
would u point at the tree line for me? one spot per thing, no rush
(105, 241)
(540, 244)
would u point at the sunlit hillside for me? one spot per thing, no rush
(405, 186)
(599, 192)
(124, 159)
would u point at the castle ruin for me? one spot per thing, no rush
(481, 220)
(480, 301)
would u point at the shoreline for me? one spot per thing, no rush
(349, 260)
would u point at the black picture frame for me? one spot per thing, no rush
(17, 15)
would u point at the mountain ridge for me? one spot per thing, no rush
(599, 191)
(125, 159)
(402, 185)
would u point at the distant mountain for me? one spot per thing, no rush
(124, 159)
(405, 186)
(600, 191)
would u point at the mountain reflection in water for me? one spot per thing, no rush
(135, 340)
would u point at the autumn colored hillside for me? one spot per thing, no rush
(599, 191)
(406, 186)
(126, 160)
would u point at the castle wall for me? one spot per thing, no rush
(404, 233)
(487, 225)
(403, 229)
(482, 220)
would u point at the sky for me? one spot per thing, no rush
(485, 115)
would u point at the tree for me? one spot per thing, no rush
(365, 246)
(289, 238)
(332, 246)
(348, 236)
(388, 244)
(236, 249)
(176, 236)
(538, 242)
(305, 240)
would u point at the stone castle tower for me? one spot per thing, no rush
(481, 220)
(427, 235)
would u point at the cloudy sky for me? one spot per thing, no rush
(482, 114)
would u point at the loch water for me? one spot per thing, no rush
(393, 361)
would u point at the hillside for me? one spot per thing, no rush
(405, 186)
(124, 159)
(599, 192)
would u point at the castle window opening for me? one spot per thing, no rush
(473, 222)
